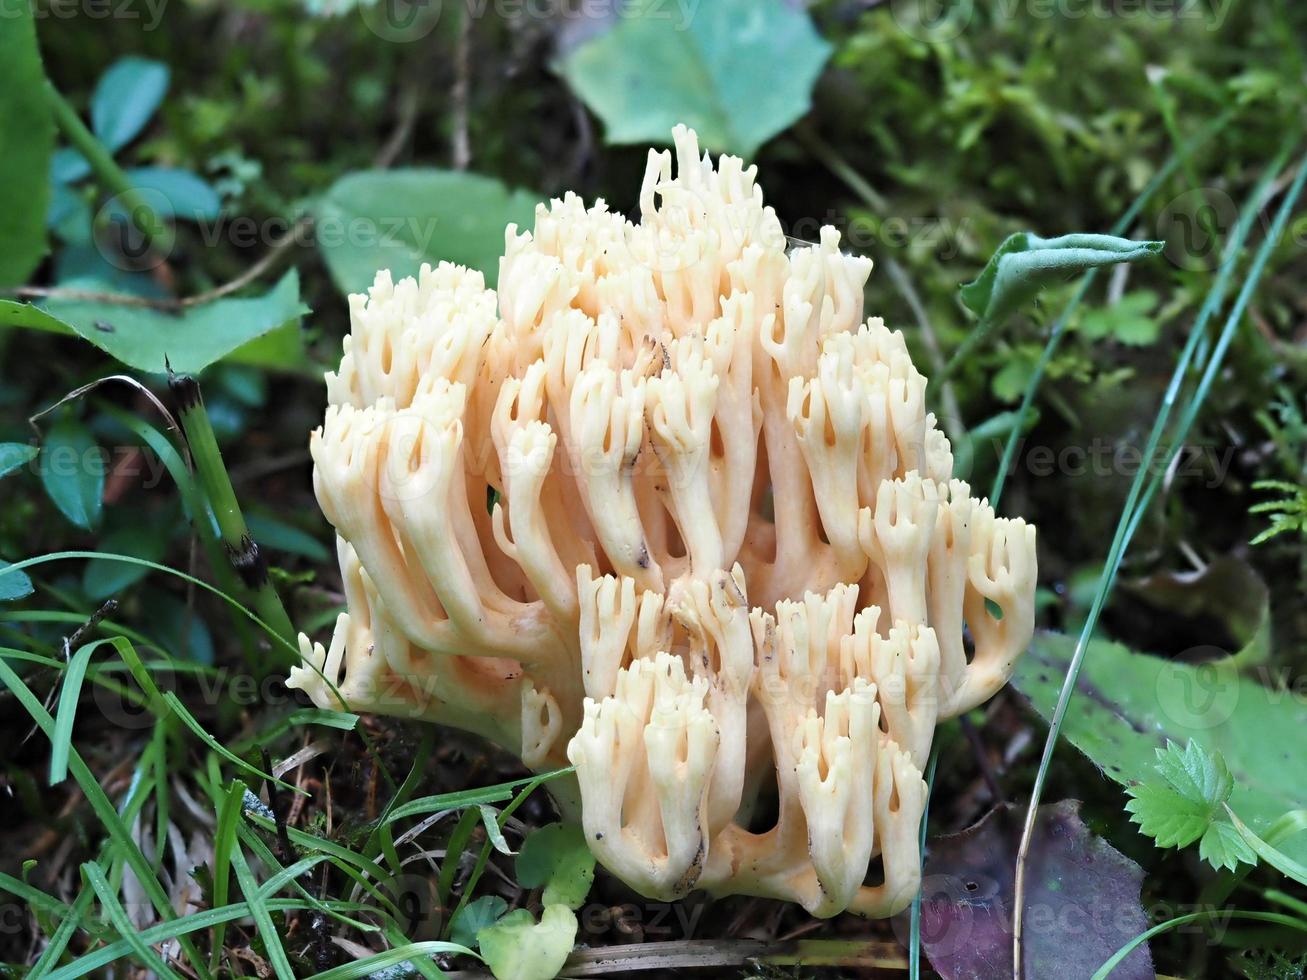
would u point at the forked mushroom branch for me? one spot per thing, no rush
(668, 506)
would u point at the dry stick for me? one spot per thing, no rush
(461, 151)
(242, 551)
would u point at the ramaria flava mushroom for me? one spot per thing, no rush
(667, 506)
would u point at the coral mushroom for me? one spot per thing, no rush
(667, 506)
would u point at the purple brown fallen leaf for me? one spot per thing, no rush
(1083, 902)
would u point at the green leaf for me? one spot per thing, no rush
(1223, 847)
(141, 338)
(1167, 816)
(556, 856)
(1128, 321)
(1127, 705)
(13, 585)
(1196, 774)
(125, 99)
(1180, 806)
(72, 471)
(1025, 263)
(399, 219)
(519, 948)
(15, 455)
(475, 916)
(28, 148)
(176, 193)
(736, 71)
(67, 166)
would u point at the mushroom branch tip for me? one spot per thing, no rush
(667, 505)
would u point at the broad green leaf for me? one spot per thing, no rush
(399, 219)
(14, 585)
(475, 916)
(519, 948)
(15, 455)
(176, 193)
(28, 146)
(72, 471)
(142, 338)
(556, 856)
(1127, 705)
(736, 71)
(125, 99)
(1025, 263)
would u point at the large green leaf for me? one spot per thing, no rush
(28, 146)
(1127, 705)
(737, 71)
(142, 338)
(399, 219)
(72, 471)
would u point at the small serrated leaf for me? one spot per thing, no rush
(1223, 847)
(1166, 816)
(1195, 774)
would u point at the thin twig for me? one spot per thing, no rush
(461, 151)
(409, 104)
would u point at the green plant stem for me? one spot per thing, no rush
(1059, 327)
(1139, 496)
(242, 550)
(102, 164)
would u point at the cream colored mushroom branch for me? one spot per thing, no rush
(668, 506)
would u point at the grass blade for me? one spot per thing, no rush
(70, 693)
(145, 954)
(257, 903)
(108, 816)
